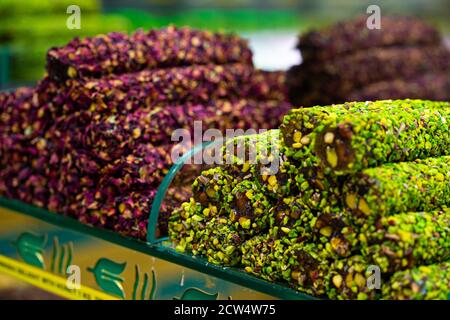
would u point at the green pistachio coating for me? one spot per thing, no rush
(212, 186)
(336, 232)
(348, 279)
(259, 157)
(420, 185)
(430, 282)
(222, 242)
(305, 267)
(187, 226)
(320, 192)
(406, 240)
(261, 256)
(248, 208)
(292, 221)
(348, 137)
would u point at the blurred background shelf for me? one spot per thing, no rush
(29, 27)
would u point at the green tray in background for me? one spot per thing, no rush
(4, 66)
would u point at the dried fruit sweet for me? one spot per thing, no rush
(117, 53)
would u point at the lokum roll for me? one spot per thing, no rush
(347, 138)
(434, 86)
(354, 35)
(345, 74)
(351, 279)
(431, 282)
(248, 208)
(267, 85)
(292, 220)
(305, 267)
(420, 185)
(407, 240)
(261, 256)
(144, 168)
(222, 242)
(187, 226)
(211, 187)
(117, 53)
(150, 88)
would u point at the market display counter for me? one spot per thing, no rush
(50, 251)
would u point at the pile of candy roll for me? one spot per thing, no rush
(358, 208)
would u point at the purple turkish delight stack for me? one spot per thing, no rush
(93, 139)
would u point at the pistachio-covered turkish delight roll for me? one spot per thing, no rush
(318, 191)
(309, 267)
(212, 187)
(258, 157)
(291, 220)
(261, 256)
(336, 232)
(248, 208)
(117, 53)
(354, 35)
(277, 178)
(431, 282)
(349, 137)
(187, 226)
(401, 130)
(352, 278)
(305, 267)
(407, 240)
(245, 153)
(222, 242)
(420, 185)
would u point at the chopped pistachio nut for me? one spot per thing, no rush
(212, 186)
(349, 137)
(248, 208)
(305, 267)
(290, 220)
(185, 230)
(261, 256)
(222, 243)
(347, 279)
(407, 240)
(430, 282)
(421, 185)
